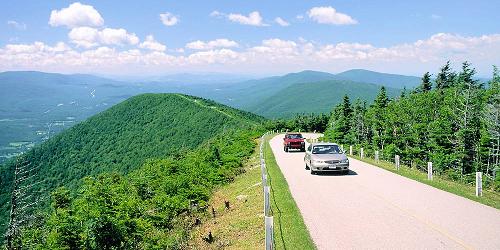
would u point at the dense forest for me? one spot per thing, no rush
(152, 207)
(452, 120)
(118, 140)
(300, 122)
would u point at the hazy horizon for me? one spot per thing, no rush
(257, 38)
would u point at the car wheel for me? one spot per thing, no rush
(346, 172)
(286, 149)
(313, 172)
(307, 167)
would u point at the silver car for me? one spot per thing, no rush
(326, 157)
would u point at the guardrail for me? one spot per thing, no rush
(268, 218)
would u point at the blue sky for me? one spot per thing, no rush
(321, 35)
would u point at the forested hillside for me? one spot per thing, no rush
(152, 207)
(452, 121)
(315, 97)
(122, 138)
(383, 79)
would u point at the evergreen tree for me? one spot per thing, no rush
(341, 122)
(376, 118)
(358, 133)
(445, 78)
(381, 100)
(403, 93)
(468, 114)
(466, 76)
(426, 82)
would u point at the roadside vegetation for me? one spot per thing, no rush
(452, 121)
(290, 232)
(241, 224)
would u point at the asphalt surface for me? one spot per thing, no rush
(372, 208)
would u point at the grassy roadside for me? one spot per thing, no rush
(290, 231)
(489, 198)
(242, 225)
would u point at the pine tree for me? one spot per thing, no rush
(340, 122)
(403, 93)
(358, 133)
(426, 82)
(491, 120)
(445, 78)
(377, 117)
(468, 108)
(381, 100)
(466, 76)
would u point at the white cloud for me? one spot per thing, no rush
(216, 13)
(76, 15)
(328, 15)
(117, 37)
(168, 19)
(275, 50)
(253, 19)
(281, 21)
(213, 56)
(17, 25)
(84, 37)
(34, 48)
(90, 37)
(300, 17)
(270, 55)
(217, 43)
(151, 44)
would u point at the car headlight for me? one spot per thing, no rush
(315, 161)
(302, 142)
(344, 161)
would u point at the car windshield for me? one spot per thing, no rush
(326, 149)
(295, 136)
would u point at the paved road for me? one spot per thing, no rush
(375, 209)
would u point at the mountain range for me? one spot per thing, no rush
(35, 105)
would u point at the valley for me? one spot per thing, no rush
(35, 106)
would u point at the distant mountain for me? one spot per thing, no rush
(250, 93)
(316, 97)
(123, 137)
(36, 105)
(187, 78)
(388, 80)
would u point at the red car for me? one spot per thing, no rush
(294, 141)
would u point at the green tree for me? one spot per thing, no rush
(341, 121)
(426, 84)
(377, 118)
(446, 77)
